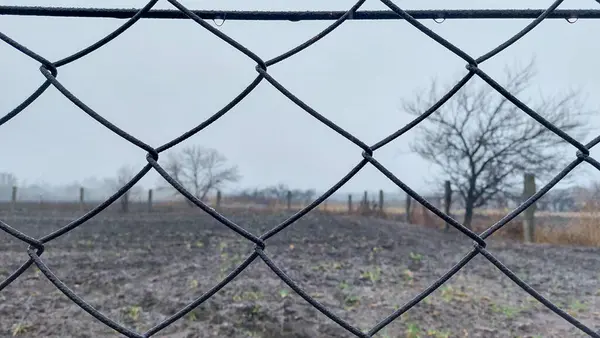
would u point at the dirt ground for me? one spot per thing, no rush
(139, 269)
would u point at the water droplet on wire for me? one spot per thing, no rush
(572, 19)
(439, 20)
(219, 21)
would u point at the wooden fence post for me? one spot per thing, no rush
(13, 203)
(81, 199)
(125, 202)
(218, 203)
(425, 214)
(149, 200)
(408, 202)
(447, 201)
(349, 203)
(381, 201)
(289, 200)
(529, 213)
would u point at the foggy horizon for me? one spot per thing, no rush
(162, 77)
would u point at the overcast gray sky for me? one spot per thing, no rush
(162, 77)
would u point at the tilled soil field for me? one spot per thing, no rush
(141, 268)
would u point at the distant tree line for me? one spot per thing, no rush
(96, 189)
(199, 170)
(274, 194)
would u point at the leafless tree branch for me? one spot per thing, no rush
(483, 143)
(200, 170)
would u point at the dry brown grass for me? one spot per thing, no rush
(581, 228)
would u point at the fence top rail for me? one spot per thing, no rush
(435, 14)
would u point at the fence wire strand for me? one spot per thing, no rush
(50, 70)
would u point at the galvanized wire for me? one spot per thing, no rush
(50, 71)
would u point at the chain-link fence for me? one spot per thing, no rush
(50, 71)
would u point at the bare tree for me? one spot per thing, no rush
(200, 170)
(278, 192)
(559, 200)
(483, 143)
(586, 198)
(304, 196)
(124, 175)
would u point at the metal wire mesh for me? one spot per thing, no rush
(50, 71)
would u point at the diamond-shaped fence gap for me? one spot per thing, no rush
(386, 263)
(573, 307)
(361, 99)
(170, 101)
